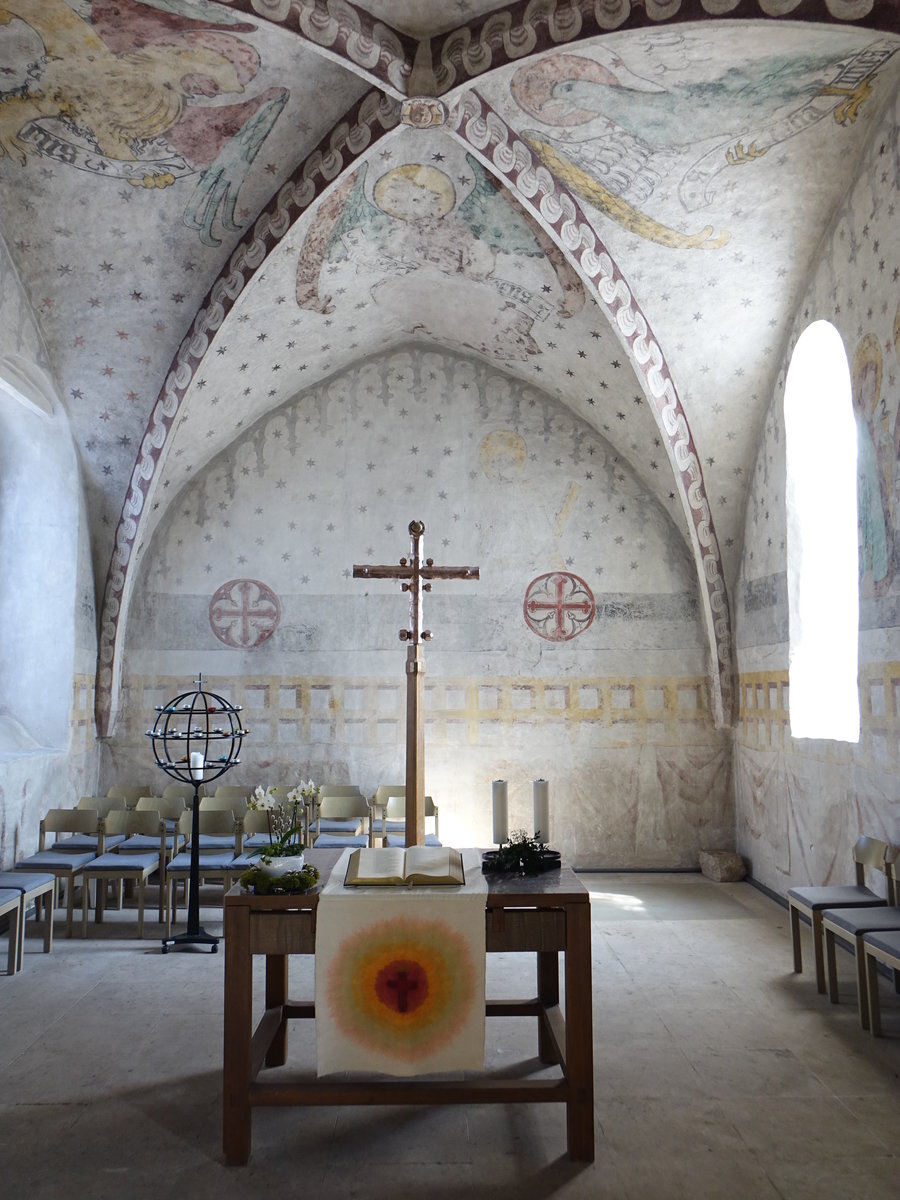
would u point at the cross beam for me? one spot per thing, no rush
(415, 576)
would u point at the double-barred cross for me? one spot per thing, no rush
(416, 576)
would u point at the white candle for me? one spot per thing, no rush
(501, 812)
(542, 810)
(197, 760)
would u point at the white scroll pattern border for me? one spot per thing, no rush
(521, 29)
(343, 29)
(372, 117)
(485, 131)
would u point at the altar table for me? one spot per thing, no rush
(542, 914)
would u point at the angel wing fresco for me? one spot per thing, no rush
(114, 98)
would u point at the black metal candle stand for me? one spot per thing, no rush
(197, 722)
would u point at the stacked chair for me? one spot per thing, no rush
(394, 821)
(811, 902)
(18, 890)
(129, 861)
(342, 818)
(221, 844)
(865, 922)
(65, 863)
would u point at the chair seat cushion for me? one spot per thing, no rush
(181, 863)
(26, 881)
(214, 841)
(10, 898)
(338, 825)
(862, 920)
(394, 826)
(325, 840)
(85, 841)
(400, 840)
(888, 942)
(144, 841)
(256, 841)
(54, 860)
(834, 897)
(116, 863)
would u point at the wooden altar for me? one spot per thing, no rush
(544, 915)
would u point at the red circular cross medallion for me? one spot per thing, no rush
(558, 606)
(244, 613)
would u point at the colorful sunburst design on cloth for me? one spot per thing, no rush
(411, 979)
(399, 993)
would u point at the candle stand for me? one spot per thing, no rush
(196, 738)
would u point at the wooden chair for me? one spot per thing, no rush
(880, 948)
(130, 793)
(342, 820)
(11, 908)
(99, 806)
(173, 791)
(136, 866)
(217, 864)
(169, 811)
(383, 793)
(66, 865)
(812, 901)
(32, 888)
(851, 925)
(394, 821)
(233, 791)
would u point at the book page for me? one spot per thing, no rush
(434, 862)
(378, 865)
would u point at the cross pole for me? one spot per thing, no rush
(415, 577)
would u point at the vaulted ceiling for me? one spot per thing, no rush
(215, 206)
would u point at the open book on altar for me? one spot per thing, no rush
(425, 865)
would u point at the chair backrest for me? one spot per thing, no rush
(217, 803)
(134, 820)
(130, 793)
(217, 821)
(396, 807)
(238, 791)
(339, 789)
(351, 805)
(169, 808)
(101, 805)
(70, 820)
(184, 790)
(872, 853)
(384, 791)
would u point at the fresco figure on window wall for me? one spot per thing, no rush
(873, 447)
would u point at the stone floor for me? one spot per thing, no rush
(718, 1073)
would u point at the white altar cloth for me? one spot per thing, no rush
(400, 976)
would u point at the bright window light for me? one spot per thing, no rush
(822, 557)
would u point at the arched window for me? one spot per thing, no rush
(822, 557)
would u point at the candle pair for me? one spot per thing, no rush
(500, 807)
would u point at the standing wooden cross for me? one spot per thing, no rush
(416, 577)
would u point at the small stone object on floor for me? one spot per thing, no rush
(722, 866)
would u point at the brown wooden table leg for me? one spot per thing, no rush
(548, 995)
(276, 994)
(579, 1034)
(238, 1030)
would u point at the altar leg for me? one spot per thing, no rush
(238, 1027)
(579, 1034)
(276, 994)
(548, 995)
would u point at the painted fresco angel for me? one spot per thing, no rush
(414, 223)
(614, 135)
(113, 96)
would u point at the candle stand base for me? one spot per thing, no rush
(200, 938)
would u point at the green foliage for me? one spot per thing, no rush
(521, 854)
(294, 881)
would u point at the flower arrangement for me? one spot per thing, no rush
(282, 818)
